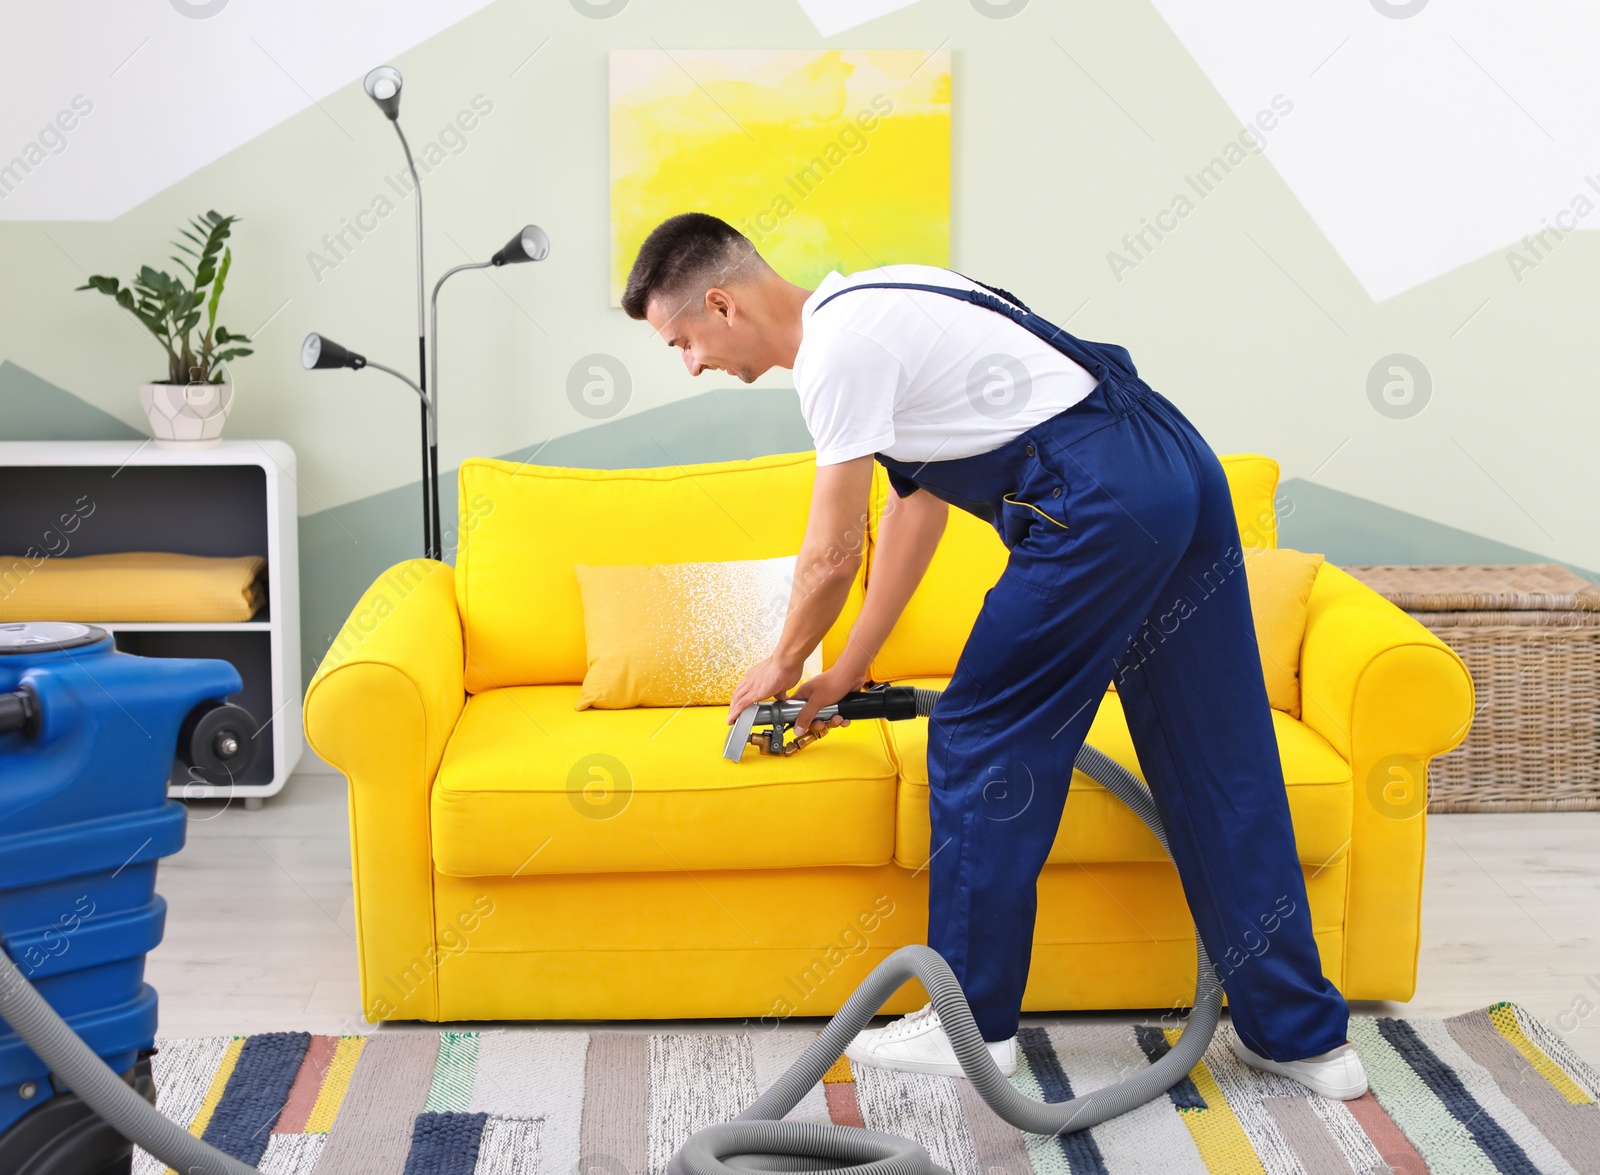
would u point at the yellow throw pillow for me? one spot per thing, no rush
(680, 634)
(1280, 588)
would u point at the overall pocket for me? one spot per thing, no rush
(1041, 500)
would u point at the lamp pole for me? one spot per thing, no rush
(531, 244)
(430, 441)
(434, 351)
(383, 86)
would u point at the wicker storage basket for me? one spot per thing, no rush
(1530, 635)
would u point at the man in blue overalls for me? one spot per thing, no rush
(1124, 565)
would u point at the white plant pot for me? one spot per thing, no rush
(186, 416)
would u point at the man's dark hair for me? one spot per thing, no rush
(692, 249)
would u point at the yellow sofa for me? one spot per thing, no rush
(518, 859)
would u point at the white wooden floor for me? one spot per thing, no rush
(260, 926)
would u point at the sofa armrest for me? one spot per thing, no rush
(381, 708)
(1388, 695)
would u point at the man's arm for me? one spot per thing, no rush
(908, 534)
(830, 555)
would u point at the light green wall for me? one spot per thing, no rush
(34, 410)
(1244, 315)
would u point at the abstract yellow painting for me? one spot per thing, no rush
(825, 159)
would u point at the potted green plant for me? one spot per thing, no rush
(188, 408)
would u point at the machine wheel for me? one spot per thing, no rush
(218, 743)
(65, 1137)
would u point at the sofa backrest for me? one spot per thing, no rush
(523, 527)
(931, 631)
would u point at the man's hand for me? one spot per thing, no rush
(825, 689)
(909, 533)
(771, 678)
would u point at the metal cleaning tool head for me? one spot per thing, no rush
(765, 723)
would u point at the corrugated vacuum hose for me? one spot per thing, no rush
(81, 1069)
(757, 1141)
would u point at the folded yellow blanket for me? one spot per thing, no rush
(131, 586)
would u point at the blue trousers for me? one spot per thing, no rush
(1126, 565)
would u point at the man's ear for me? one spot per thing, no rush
(719, 302)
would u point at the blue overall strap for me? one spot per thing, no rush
(976, 297)
(1006, 294)
(1098, 358)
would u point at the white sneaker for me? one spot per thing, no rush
(918, 1044)
(1337, 1073)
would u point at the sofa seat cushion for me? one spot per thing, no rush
(1096, 827)
(530, 785)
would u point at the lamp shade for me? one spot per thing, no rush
(318, 352)
(383, 87)
(531, 244)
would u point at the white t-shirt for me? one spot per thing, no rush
(920, 376)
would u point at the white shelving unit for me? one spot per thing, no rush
(235, 499)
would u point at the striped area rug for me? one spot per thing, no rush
(1491, 1091)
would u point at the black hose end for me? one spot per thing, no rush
(19, 713)
(894, 702)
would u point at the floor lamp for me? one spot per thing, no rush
(383, 86)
